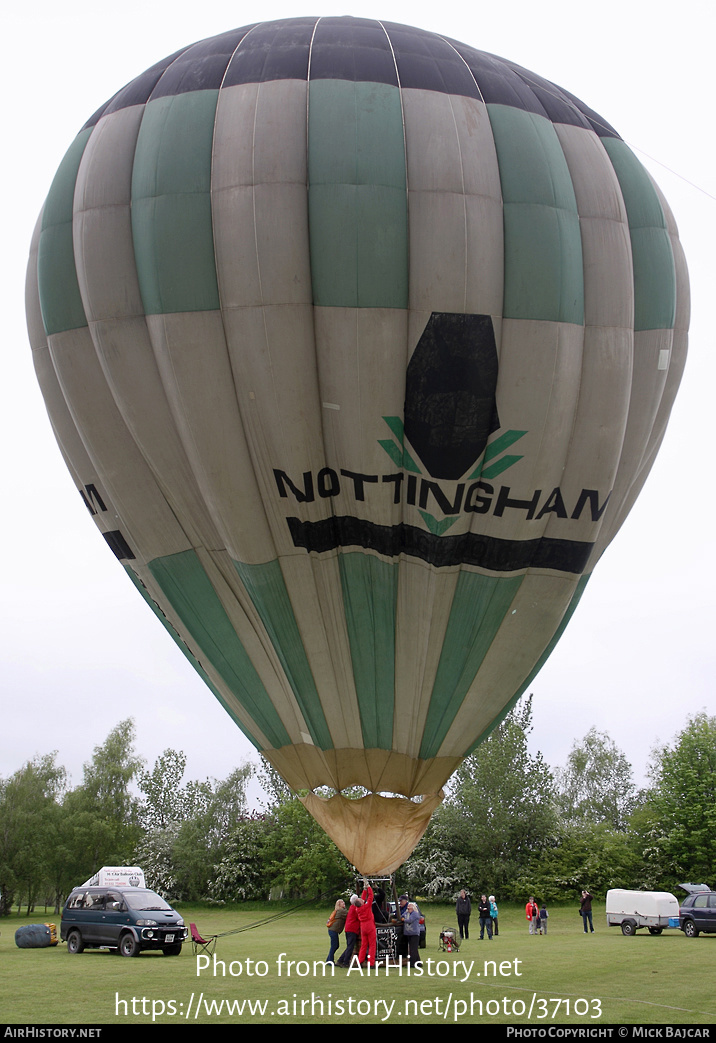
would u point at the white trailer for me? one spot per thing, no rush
(631, 910)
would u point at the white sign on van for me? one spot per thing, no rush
(117, 876)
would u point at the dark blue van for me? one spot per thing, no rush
(127, 920)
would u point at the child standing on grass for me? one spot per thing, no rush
(543, 914)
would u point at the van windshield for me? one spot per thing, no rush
(144, 900)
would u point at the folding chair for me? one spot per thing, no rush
(199, 944)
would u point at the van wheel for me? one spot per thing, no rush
(690, 929)
(628, 927)
(128, 945)
(655, 930)
(172, 950)
(75, 943)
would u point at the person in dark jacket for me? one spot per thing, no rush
(585, 908)
(485, 918)
(463, 909)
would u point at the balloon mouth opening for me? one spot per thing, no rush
(375, 832)
(360, 792)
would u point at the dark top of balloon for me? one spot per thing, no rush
(357, 49)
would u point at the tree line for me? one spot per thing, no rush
(514, 827)
(509, 825)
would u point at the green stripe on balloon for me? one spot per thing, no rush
(370, 593)
(357, 196)
(183, 648)
(652, 255)
(479, 606)
(171, 204)
(358, 225)
(543, 246)
(267, 589)
(189, 591)
(60, 299)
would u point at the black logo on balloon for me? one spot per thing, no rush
(450, 408)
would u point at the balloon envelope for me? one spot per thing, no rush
(359, 344)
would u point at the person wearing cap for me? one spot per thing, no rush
(402, 937)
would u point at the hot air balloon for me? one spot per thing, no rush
(359, 344)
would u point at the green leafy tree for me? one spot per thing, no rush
(678, 822)
(29, 819)
(156, 853)
(658, 869)
(596, 785)
(166, 800)
(224, 804)
(276, 791)
(300, 858)
(108, 776)
(501, 808)
(592, 856)
(434, 868)
(188, 828)
(104, 811)
(8, 881)
(240, 876)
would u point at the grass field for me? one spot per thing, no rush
(566, 977)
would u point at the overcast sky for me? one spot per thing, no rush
(81, 651)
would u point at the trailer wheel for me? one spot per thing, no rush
(655, 930)
(628, 927)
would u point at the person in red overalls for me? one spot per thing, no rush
(367, 927)
(532, 914)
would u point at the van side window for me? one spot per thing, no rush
(94, 900)
(114, 902)
(76, 901)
